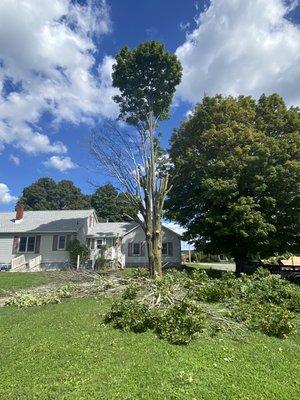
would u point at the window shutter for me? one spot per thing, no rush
(92, 244)
(170, 250)
(37, 244)
(55, 242)
(15, 244)
(69, 237)
(130, 249)
(143, 249)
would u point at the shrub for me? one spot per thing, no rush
(75, 248)
(181, 322)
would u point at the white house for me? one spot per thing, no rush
(40, 239)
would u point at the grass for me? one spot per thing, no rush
(64, 352)
(12, 281)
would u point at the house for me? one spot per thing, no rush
(40, 239)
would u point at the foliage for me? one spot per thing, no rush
(181, 323)
(45, 194)
(101, 261)
(31, 299)
(76, 248)
(236, 176)
(112, 206)
(130, 292)
(128, 315)
(269, 318)
(177, 306)
(146, 77)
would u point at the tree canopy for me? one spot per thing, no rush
(236, 176)
(46, 194)
(109, 204)
(112, 206)
(146, 77)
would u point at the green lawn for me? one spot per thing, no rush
(11, 281)
(63, 351)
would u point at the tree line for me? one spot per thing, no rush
(109, 203)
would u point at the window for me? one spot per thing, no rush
(30, 243)
(165, 249)
(23, 244)
(136, 249)
(100, 243)
(27, 244)
(61, 243)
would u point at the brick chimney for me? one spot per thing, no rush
(19, 211)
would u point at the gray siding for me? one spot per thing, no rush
(138, 235)
(48, 255)
(6, 243)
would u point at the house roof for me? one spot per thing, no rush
(44, 221)
(112, 229)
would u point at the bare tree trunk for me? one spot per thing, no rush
(240, 261)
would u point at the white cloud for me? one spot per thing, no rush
(242, 47)
(14, 159)
(47, 59)
(60, 163)
(5, 196)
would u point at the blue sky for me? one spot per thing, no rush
(55, 64)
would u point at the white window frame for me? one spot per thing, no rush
(65, 246)
(26, 246)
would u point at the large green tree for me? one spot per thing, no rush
(46, 194)
(236, 176)
(110, 205)
(146, 78)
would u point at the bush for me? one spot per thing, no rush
(75, 249)
(181, 323)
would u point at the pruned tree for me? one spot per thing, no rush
(146, 78)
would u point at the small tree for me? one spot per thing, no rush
(146, 78)
(237, 177)
(75, 249)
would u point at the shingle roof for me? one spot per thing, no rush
(44, 221)
(112, 228)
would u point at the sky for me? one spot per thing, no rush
(56, 58)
